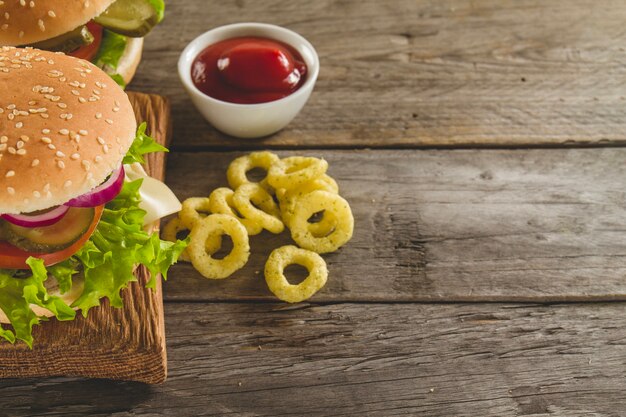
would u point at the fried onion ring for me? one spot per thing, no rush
(207, 229)
(275, 278)
(237, 170)
(292, 172)
(287, 199)
(267, 215)
(194, 209)
(174, 227)
(221, 202)
(333, 205)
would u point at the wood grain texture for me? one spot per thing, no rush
(128, 343)
(410, 73)
(364, 359)
(465, 225)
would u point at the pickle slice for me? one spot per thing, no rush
(132, 18)
(51, 238)
(68, 42)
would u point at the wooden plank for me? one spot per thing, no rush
(465, 225)
(410, 73)
(126, 343)
(354, 360)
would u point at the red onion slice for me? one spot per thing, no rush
(37, 220)
(103, 193)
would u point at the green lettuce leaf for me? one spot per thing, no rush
(18, 293)
(142, 145)
(117, 245)
(107, 261)
(111, 50)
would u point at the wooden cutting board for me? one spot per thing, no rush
(126, 344)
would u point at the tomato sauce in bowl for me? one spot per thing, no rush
(248, 70)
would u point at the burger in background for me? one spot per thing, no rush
(109, 33)
(75, 205)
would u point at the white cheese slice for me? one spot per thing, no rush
(156, 197)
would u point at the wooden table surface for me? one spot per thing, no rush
(480, 145)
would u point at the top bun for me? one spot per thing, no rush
(27, 21)
(64, 127)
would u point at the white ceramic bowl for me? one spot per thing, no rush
(249, 120)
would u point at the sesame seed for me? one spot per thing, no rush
(64, 132)
(35, 162)
(98, 115)
(51, 14)
(52, 147)
(86, 165)
(21, 152)
(45, 131)
(61, 164)
(75, 156)
(19, 125)
(60, 154)
(109, 121)
(46, 139)
(10, 174)
(36, 194)
(67, 184)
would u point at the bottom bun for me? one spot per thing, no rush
(130, 59)
(52, 286)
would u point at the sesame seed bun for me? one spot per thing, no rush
(27, 21)
(64, 127)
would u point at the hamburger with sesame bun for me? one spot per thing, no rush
(74, 202)
(108, 33)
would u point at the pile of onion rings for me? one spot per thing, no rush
(296, 193)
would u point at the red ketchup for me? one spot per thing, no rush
(248, 70)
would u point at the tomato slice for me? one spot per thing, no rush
(15, 258)
(89, 52)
